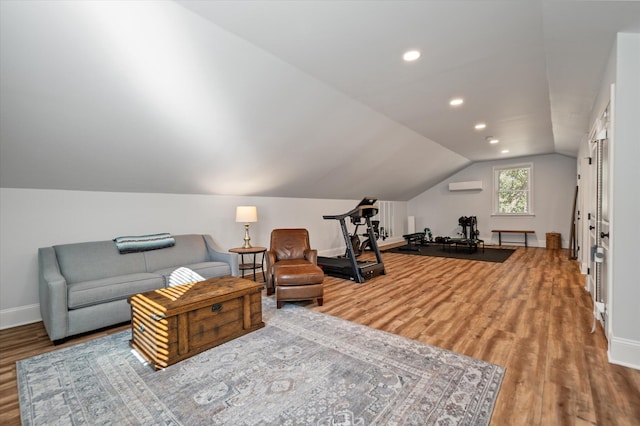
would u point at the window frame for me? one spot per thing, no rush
(496, 189)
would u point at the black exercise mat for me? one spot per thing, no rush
(436, 250)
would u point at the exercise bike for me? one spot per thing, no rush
(358, 247)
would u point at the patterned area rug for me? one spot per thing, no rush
(304, 367)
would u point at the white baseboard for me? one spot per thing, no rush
(625, 352)
(21, 315)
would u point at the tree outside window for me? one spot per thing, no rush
(512, 189)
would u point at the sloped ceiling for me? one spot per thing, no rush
(291, 99)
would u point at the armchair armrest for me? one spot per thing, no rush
(216, 256)
(52, 290)
(311, 255)
(270, 259)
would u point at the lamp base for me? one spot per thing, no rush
(247, 238)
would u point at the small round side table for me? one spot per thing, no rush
(253, 266)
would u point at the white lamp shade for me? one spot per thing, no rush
(246, 214)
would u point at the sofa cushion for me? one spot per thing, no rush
(206, 269)
(94, 292)
(189, 249)
(89, 261)
(182, 276)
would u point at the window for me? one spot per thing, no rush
(513, 193)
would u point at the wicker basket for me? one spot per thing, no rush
(554, 241)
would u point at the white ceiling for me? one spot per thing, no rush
(528, 69)
(292, 99)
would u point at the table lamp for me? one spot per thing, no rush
(246, 214)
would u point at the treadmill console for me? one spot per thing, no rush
(365, 208)
(367, 201)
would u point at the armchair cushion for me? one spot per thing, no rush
(290, 262)
(297, 275)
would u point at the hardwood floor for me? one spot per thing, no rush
(529, 314)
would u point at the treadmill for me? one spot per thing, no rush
(349, 267)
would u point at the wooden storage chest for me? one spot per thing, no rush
(174, 323)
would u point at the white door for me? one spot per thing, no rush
(598, 219)
(582, 231)
(590, 218)
(603, 234)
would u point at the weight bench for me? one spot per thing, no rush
(469, 243)
(413, 240)
(511, 231)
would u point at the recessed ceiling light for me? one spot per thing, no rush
(411, 55)
(480, 126)
(456, 101)
(493, 140)
(505, 151)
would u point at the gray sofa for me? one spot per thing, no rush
(85, 286)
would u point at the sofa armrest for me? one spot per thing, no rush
(216, 256)
(311, 255)
(53, 295)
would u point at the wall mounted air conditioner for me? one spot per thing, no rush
(465, 186)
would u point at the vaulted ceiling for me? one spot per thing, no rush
(303, 99)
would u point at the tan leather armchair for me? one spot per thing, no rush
(289, 247)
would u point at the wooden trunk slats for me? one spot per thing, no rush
(172, 324)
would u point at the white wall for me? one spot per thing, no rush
(624, 345)
(33, 218)
(553, 191)
(622, 70)
(585, 152)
